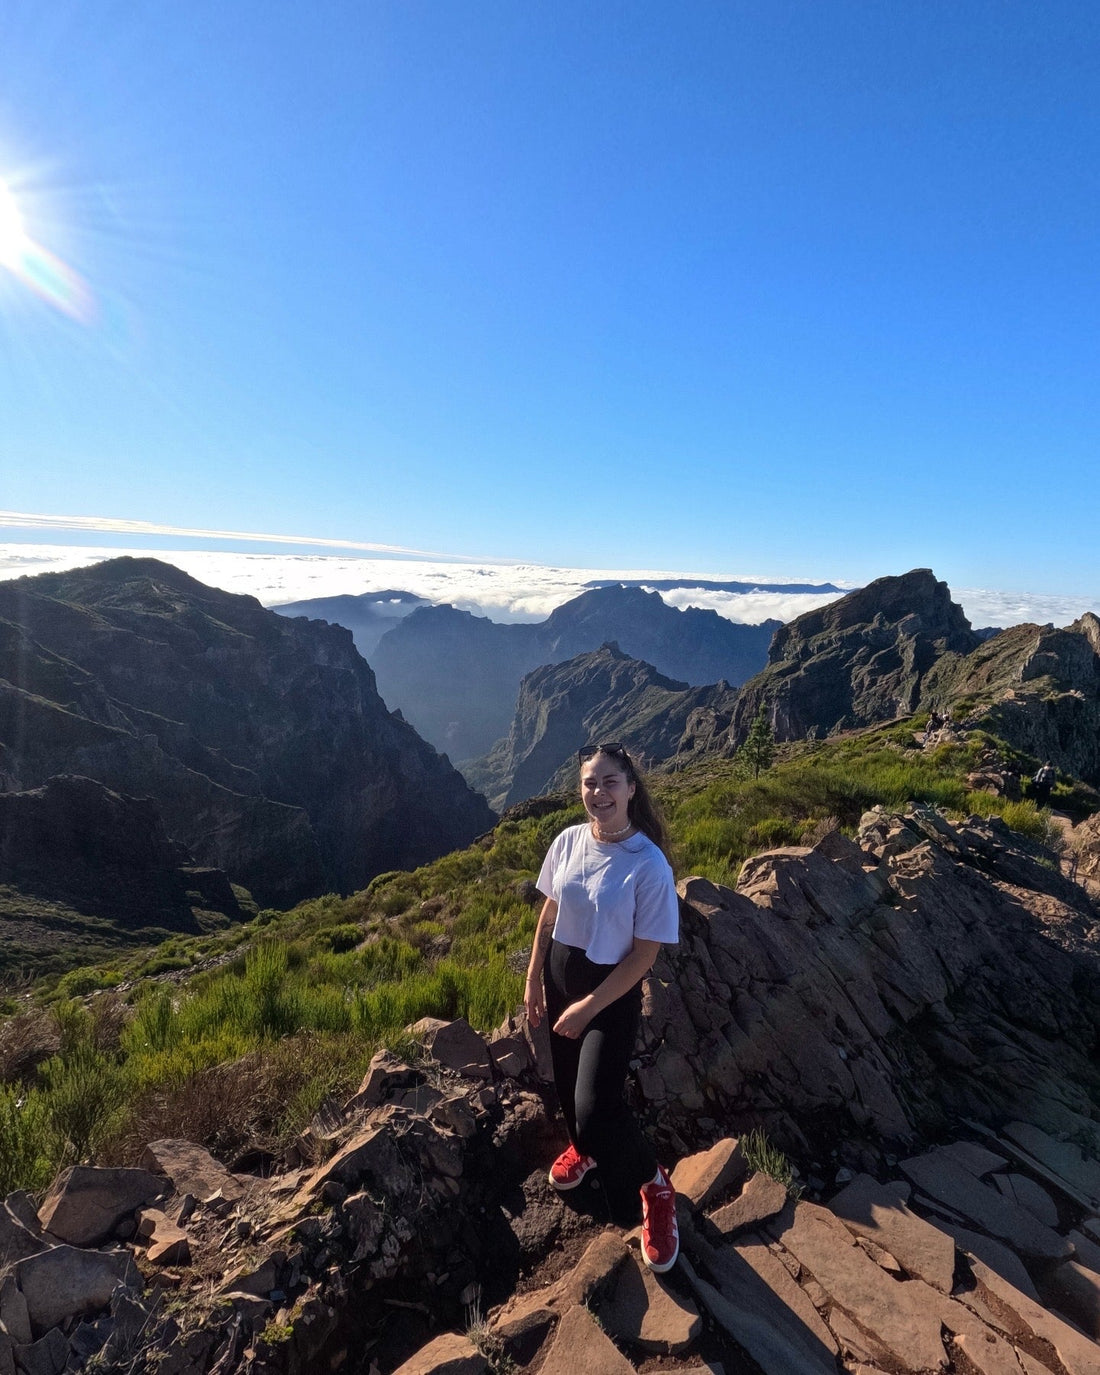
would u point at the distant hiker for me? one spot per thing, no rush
(1042, 784)
(610, 905)
(1010, 783)
(935, 721)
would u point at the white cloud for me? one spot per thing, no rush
(750, 608)
(503, 592)
(110, 525)
(986, 607)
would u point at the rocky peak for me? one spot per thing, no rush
(1088, 625)
(857, 661)
(601, 695)
(915, 603)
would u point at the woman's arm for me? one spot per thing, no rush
(533, 997)
(629, 971)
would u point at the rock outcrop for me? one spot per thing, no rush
(455, 675)
(1036, 687)
(858, 661)
(605, 695)
(880, 991)
(262, 739)
(913, 1015)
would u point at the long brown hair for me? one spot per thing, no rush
(641, 809)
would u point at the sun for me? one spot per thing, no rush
(13, 237)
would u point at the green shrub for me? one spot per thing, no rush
(1022, 816)
(154, 1027)
(340, 939)
(82, 1090)
(77, 983)
(25, 1156)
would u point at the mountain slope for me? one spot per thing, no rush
(368, 616)
(84, 871)
(602, 695)
(262, 739)
(1034, 686)
(455, 676)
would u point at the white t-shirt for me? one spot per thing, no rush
(608, 892)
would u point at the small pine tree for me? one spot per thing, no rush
(758, 751)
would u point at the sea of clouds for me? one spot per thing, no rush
(507, 591)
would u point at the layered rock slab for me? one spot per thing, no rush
(902, 1314)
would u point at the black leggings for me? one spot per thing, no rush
(590, 1074)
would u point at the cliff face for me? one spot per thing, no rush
(263, 740)
(857, 661)
(1036, 687)
(74, 850)
(456, 676)
(604, 695)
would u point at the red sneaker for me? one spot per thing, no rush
(660, 1232)
(570, 1168)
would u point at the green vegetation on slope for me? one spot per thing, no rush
(236, 1038)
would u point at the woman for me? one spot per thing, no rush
(610, 905)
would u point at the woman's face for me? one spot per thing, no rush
(606, 792)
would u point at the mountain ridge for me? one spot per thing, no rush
(456, 676)
(262, 738)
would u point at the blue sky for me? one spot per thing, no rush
(807, 289)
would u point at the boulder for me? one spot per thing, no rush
(1029, 1195)
(86, 1203)
(14, 1317)
(167, 1241)
(1062, 1158)
(47, 1356)
(16, 1239)
(999, 1257)
(386, 1074)
(938, 1175)
(760, 1198)
(1074, 1290)
(710, 1174)
(456, 1045)
(449, 1354)
(1078, 1353)
(65, 1282)
(904, 1317)
(763, 1325)
(191, 1169)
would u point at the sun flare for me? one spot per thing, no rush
(13, 237)
(41, 271)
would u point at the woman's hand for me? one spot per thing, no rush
(574, 1019)
(534, 1000)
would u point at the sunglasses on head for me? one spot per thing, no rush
(610, 747)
